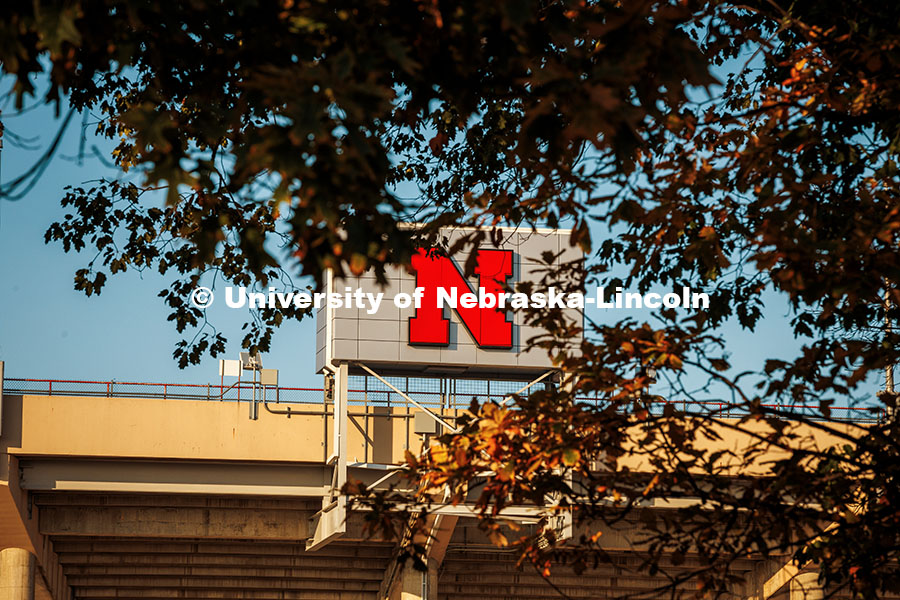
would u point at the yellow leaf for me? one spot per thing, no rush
(358, 263)
(570, 457)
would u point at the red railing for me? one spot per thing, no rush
(141, 389)
(837, 413)
(374, 396)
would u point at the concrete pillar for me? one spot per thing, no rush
(16, 574)
(805, 586)
(416, 585)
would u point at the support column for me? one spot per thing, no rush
(403, 582)
(16, 574)
(331, 522)
(416, 585)
(341, 422)
(805, 586)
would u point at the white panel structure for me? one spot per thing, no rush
(230, 368)
(350, 334)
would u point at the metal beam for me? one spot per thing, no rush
(406, 397)
(175, 477)
(533, 382)
(439, 539)
(768, 577)
(328, 524)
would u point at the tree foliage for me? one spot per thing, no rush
(741, 148)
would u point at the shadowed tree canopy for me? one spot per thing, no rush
(738, 148)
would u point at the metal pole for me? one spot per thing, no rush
(366, 423)
(341, 420)
(1, 362)
(253, 406)
(516, 393)
(889, 369)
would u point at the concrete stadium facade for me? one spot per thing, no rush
(129, 497)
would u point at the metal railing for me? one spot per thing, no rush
(174, 391)
(436, 393)
(849, 414)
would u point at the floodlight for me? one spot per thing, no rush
(251, 362)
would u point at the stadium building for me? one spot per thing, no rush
(144, 490)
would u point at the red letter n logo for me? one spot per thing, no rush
(487, 325)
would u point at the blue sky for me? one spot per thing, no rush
(50, 331)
